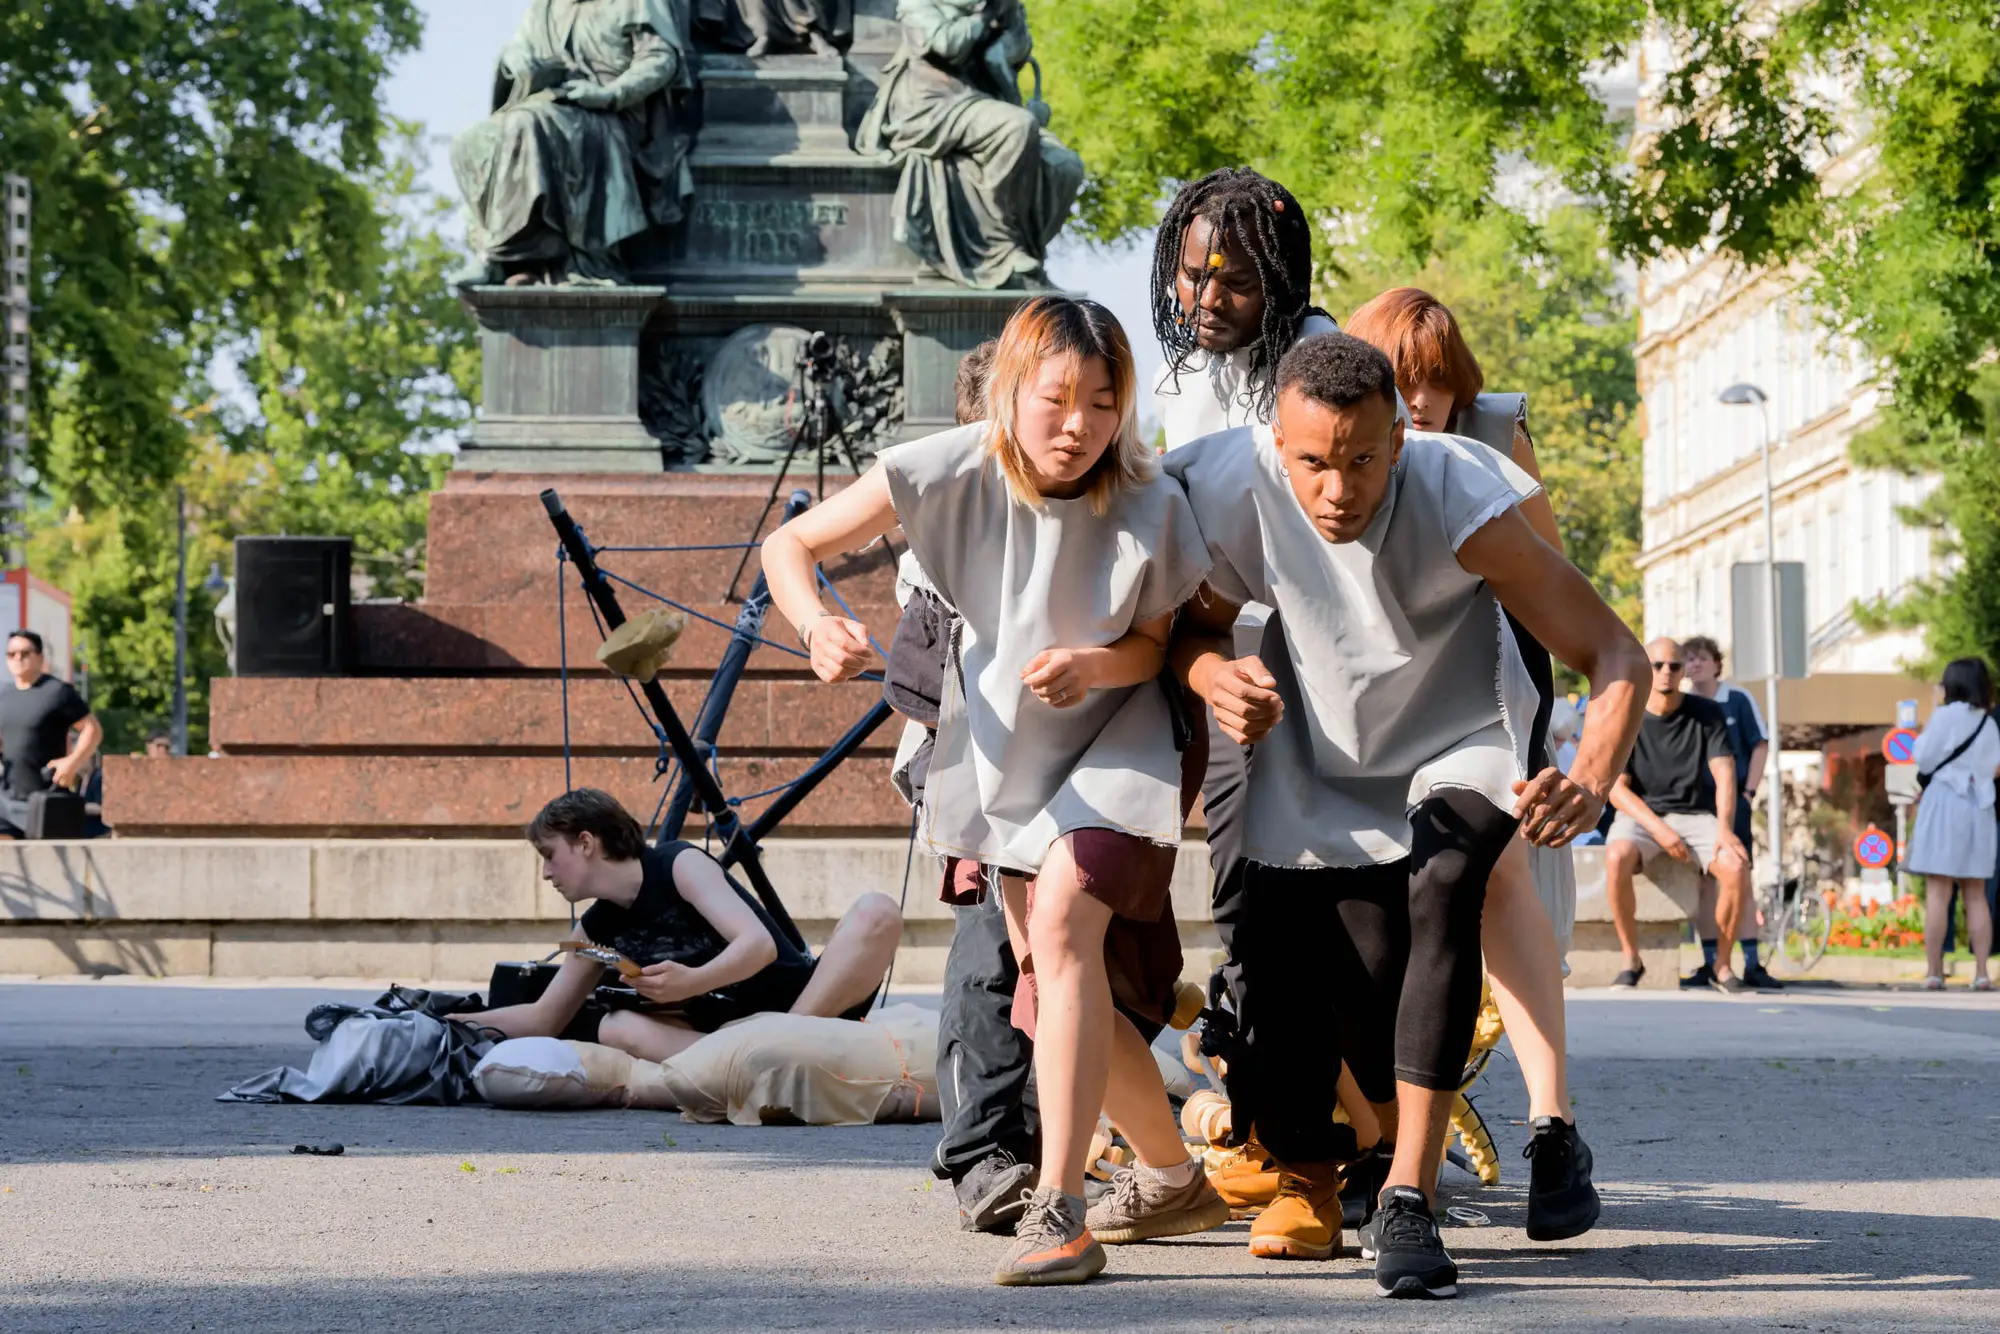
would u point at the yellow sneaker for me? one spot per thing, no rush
(1246, 1179)
(1303, 1221)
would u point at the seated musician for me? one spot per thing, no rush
(697, 950)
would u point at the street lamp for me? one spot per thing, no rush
(214, 583)
(1744, 395)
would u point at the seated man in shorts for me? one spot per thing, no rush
(1677, 797)
(708, 953)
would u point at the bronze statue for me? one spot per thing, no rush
(581, 151)
(754, 27)
(985, 187)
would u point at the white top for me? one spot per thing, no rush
(1970, 776)
(1011, 774)
(1213, 394)
(1397, 669)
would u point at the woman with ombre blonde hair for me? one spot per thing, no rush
(1530, 888)
(1062, 554)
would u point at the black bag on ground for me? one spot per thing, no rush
(56, 813)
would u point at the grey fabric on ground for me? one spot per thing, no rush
(398, 1050)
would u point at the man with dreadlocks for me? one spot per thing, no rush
(1232, 292)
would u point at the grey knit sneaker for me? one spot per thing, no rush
(1051, 1245)
(1139, 1207)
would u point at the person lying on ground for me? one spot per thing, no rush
(707, 953)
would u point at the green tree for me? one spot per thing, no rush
(1393, 124)
(1901, 98)
(1561, 332)
(210, 178)
(354, 395)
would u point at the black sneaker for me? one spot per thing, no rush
(1701, 979)
(991, 1193)
(1728, 986)
(1410, 1259)
(1629, 978)
(1561, 1201)
(1760, 979)
(1361, 1182)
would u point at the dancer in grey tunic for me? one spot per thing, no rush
(1531, 896)
(1062, 555)
(1391, 709)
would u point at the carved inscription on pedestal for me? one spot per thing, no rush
(784, 232)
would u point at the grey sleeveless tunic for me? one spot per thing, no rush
(1011, 774)
(1397, 670)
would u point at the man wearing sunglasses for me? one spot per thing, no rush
(1676, 799)
(37, 716)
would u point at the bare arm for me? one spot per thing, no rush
(548, 1015)
(1061, 676)
(1560, 608)
(1240, 691)
(1536, 509)
(1632, 806)
(69, 770)
(1759, 756)
(750, 948)
(848, 522)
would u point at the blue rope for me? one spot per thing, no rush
(666, 762)
(562, 657)
(726, 625)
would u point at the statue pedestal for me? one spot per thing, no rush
(561, 380)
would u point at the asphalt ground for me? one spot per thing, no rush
(1809, 1162)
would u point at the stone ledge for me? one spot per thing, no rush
(270, 715)
(450, 796)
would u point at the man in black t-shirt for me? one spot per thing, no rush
(37, 714)
(697, 951)
(1676, 799)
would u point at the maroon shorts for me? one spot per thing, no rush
(1133, 877)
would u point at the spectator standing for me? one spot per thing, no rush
(1702, 659)
(1677, 798)
(37, 716)
(1952, 845)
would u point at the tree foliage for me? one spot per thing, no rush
(1902, 98)
(1560, 331)
(217, 186)
(1394, 125)
(1856, 142)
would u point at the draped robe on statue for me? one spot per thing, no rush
(552, 184)
(985, 187)
(736, 25)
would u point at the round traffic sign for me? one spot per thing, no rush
(1900, 746)
(1873, 849)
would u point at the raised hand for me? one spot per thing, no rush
(1244, 695)
(1553, 810)
(839, 648)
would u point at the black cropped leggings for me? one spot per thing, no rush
(1375, 965)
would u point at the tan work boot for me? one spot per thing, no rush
(1247, 1180)
(1303, 1222)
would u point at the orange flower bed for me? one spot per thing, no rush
(1896, 924)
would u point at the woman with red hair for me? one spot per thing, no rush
(1441, 381)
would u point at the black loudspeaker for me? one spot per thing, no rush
(292, 606)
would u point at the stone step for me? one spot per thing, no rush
(451, 796)
(491, 540)
(458, 638)
(514, 715)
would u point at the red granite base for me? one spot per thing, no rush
(454, 725)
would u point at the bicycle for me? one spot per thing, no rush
(1797, 919)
